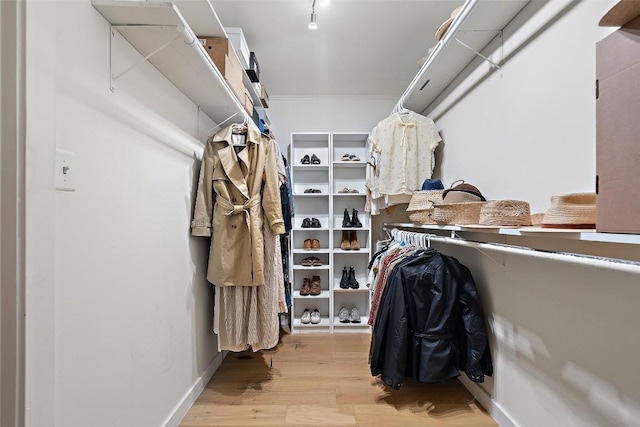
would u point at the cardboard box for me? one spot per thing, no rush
(618, 130)
(224, 57)
(248, 103)
(236, 36)
(264, 97)
(254, 68)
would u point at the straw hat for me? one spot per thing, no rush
(462, 193)
(442, 29)
(576, 210)
(457, 213)
(623, 12)
(505, 213)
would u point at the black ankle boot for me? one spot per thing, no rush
(353, 283)
(355, 222)
(346, 221)
(344, 282)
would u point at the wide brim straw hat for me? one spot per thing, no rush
(457, 213)
(576, 210)
(505, 213)
(442, 29)
(421, 205)
(623, 12)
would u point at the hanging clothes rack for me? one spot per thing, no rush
(413, 237)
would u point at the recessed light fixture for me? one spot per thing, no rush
(324, 3)
(313, 24)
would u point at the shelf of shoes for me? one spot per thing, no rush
(323, 191)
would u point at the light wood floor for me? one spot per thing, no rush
(324, 380)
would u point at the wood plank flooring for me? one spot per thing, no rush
(324, 380)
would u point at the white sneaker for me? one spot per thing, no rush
(306, 317)
(315, 317)
(343, 315)
(355, 315)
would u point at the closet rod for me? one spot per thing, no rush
(585, 260)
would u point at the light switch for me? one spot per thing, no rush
(65, 173)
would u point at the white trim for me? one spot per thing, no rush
(192, 394)
(332, 97)
(484, 398)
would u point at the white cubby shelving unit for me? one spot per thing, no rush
(330, 177)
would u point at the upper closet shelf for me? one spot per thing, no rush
(150, 25)
(478, 23)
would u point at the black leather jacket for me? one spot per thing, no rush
(430, 323)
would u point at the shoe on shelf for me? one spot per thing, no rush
(315, 223)
(344, 281)
(306, 287)
(307, 262)
(317, 262)
(351, 280)
(315, 245)
(346, 221)
(354, 316)
(353, 242)
(305, 160)
(306, 245)
(355, 222)
(343, 315)
(315, 160)
(306, 316)
(345, 190)
(345, 245)
(306, 223)
(354, 158)
(346, 157)
(315, 317)
(315, 286)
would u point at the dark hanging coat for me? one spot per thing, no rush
(430, 324)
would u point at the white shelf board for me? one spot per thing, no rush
(587, 235)
(362, 251)
(349, 164)
(475, 27)
(324, 323)
(315, 267)
(352, 228)
(311, 252)
(348, 194)
(147, 26)
(311, 194)
(311, 167)
(337, 288)
(310, 229)
(362, 324)
(323, 295)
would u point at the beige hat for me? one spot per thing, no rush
(576, 210)
(461, 192)
(623, 12)
(506, 213)
(442, 29)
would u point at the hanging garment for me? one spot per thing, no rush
(430, 323)
(400, 158)
(234, 190)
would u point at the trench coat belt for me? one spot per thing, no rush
(433, 336)
(232, 209)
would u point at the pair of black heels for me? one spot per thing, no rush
(311, 223)
(348, 280)
(313, 160)
(351, 222)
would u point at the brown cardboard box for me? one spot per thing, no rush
(618, 130)
(221, 52)
(264, 97)
(248, 102)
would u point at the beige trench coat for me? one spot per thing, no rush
(233, 193)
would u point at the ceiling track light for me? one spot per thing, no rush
(313, 24)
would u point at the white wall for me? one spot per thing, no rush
(119, 326)
(565, 337)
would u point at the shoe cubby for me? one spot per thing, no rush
(322, 192)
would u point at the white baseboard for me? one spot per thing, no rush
(192, 394)
(484, 398)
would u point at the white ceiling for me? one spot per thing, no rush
(362, 48)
